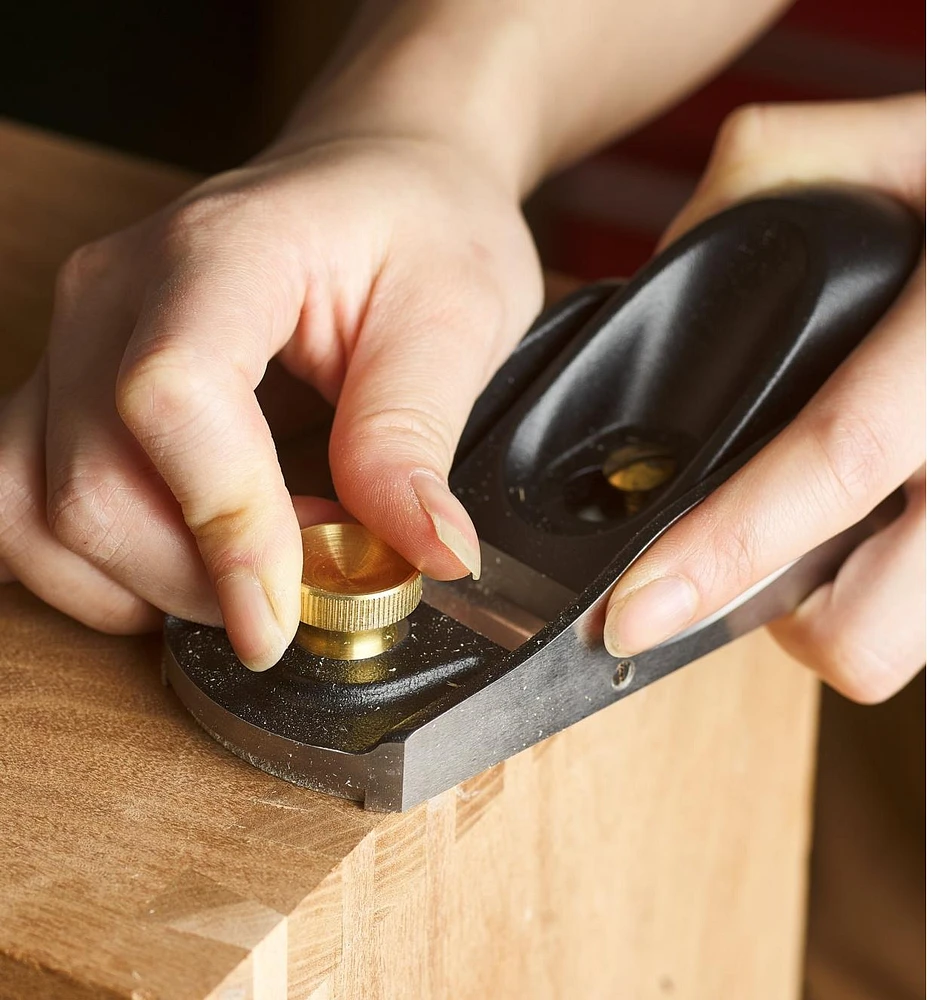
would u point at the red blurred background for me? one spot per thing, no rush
(603, 217)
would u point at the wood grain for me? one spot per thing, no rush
(656, 850)
(55, 196)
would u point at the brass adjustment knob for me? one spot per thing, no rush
(356, 592)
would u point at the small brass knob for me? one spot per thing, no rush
(356, 592)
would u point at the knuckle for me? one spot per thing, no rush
(732, 556)
(160, 395)
(744, 127)
(851, 663)
(219, 533)
(415, 431)
(211, 525)
(236, 531)
(89, 514)
(746, 131)
(851, 458)
(198, 220)
(190, 220)
(82, 267)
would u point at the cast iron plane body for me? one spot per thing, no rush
(699, 360)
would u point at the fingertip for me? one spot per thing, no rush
(415, 512)
(451, 524)
(260, 625)
(644, 617)
(317, 510)
(260, 666)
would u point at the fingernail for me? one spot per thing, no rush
(650, 614)
(452, 523)
(250, 619)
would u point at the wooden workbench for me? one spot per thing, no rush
(657, 849)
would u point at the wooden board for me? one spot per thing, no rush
(656, 850)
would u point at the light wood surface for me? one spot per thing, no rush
(656, 850)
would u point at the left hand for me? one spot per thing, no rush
(859, 439)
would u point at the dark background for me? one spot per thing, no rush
(200, 84)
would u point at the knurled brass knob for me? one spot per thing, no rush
(356, 592)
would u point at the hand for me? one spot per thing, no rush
(378, 250)
(860, 438)
(137, 471)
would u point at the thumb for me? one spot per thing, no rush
(409, 388)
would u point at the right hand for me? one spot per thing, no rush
(856, 441)
(137, 471)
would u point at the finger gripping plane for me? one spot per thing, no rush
(621, 409)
